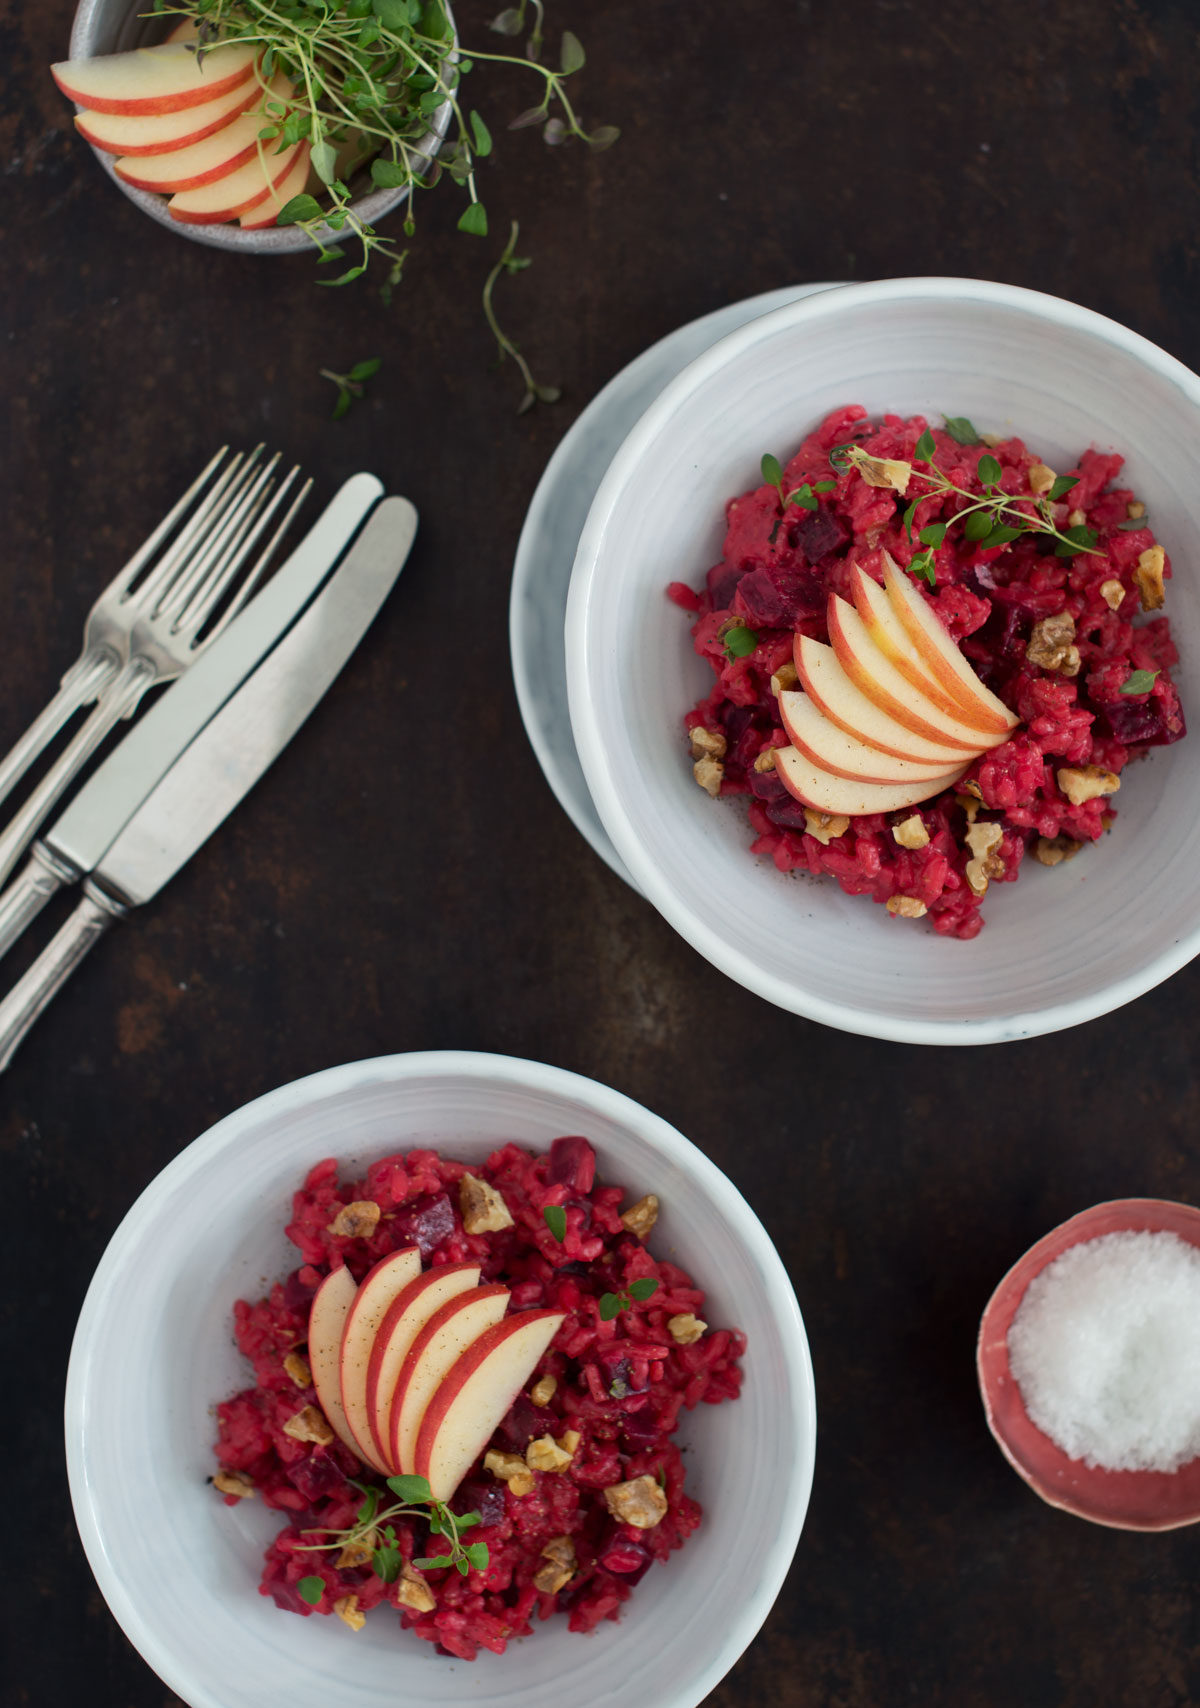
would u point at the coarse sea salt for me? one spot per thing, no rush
(1105, 1348)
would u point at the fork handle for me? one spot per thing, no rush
(34, 991)
(119, 700)
(44, 875)
(86, 680)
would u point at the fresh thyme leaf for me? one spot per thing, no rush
(603, 137)
(369, 1507)
(386, 1563)
(989, 470)
(572, 57)
(468, 1521)
(925, 447)
(323, 158)
(555, 1218)
(388, 174)
(978, 525)
(299, 208)
(1062, 485)
(922, 567)
(434, 1562)
(477, 1554)
(961, 430)
(508, 23)
(740, 641)
(410, 1488)
(311, 1590)
(908, 517)
(1139, 682)
(824, 485)
(771, 471)
(366, 370)
(610, 1306)
(1078, 539)
(804, 497)
(342, 405)
(1000, 535)
(482, 135)
(933, 533)
(643, 1289)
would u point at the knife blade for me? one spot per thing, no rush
(223, 762)
(82, 834)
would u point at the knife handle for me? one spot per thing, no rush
(44, 875)
(54, 966)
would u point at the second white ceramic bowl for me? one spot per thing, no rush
(1060, 946)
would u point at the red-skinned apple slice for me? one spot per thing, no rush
(936, 646)
(475, 1394)
(281, 194)
(824, 792)
(206, 161)
(833, 693)
(830, 748)
(958, 692)
(379, 1287)
(872, 671)
(139, 134)
(443, 1340)
(326, 1321)
(406, 1316)
(163, 79)
(236, 194)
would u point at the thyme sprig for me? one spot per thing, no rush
(374, 1528)
(611, 1305)
(510, 262)
(351, 385)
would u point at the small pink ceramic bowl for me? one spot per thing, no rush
(1123, 1500)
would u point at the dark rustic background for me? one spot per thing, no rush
(403, 878)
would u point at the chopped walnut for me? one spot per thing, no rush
(1135, 511)
(569, 1441)
(825, 826)
(970, 804)
(355, 1221)
(483, 1208)
(983, 840)
(309, 1425)
(510, 1468)
(641, 1217)
(347, 1609)
(234, 1483)
(412, 1591)
(1112, 592)
(1050, 644)
(640, 1503)
(358, 1553)
(1052, 852)
(784, 677)
(1076, 518)
(1041, 479)
(546, 1455)
(709, 773)
(559, 1566)
(880, 471)
(765, 760)
(991, 440)
(907, 907)
(1085, 782)
(706, 743)
(911, 832)
(297, 1370)
(1149, 574)
(971, 787)
(543, 1390)
(685, 1329)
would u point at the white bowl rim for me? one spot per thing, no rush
(589, 736)
(120, 1253)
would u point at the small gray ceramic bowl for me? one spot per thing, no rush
(114, 26)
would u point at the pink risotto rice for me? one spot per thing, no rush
(775, 578)
(621, 1384)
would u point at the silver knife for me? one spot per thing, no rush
(223, 762)
(82, 834)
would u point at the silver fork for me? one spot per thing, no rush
(146, 629)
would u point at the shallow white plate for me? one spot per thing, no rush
(546, 549)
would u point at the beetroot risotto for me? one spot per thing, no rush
(1043, 587)
(581, 1489)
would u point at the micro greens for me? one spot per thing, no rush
(351, 385)
(612, 1304)
(555, 1218)
(961, 430)
(739, 641)
(1139, 682)
(510, 262)
(371, 1526)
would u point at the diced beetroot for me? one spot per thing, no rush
(787, 812)
(572, 1164)
(317, 1476)
(1143, 723)
(526, 1422)
(641, 1430)
(722, 584)
(485, 1498)
(761, 602)
(619, 1554)
(287, 1597)
(426, 1223)
(817, 533)
(297, 1294)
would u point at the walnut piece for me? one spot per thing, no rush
(1135, 511)
(706, 743)
(911, 832)
(640, 1503)
(358, 1553)
(297, 1370)
(412, 1591)
(825, 826)
(880, 471)
(510, 1468)
(483, 1208)
(546, 1455)
(640, 1218)
(355, 1221)
(234, 1483)
(784, 677)
(543, 1390)
(1149, 574)
(1052, 852)
(709, 773)
(685, 1329)
(1041, 479)
(569, 1441)
(558, 1568)
(309, 1425)
(983, 840)
(1050, 644)
(765, 760)
(970, 804)
(1085, 782)
(907, 907)
(1112, 592)
(347, 1609)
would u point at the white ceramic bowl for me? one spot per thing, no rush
(153, 1352)
(1061, 945)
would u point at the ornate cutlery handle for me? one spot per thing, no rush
(54, 966)
(44, 875)
(86, 680)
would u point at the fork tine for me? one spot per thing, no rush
(200, 609)
(252, 580)
(183, 594)
(177, 558)
(146, 550)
